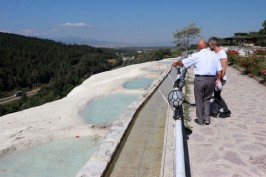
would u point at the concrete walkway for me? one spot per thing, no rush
(234, 146)
(142, 152)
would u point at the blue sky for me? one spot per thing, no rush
(129, 21)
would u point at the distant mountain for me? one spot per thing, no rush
(91, 42)
(158, 44)
(102, 43)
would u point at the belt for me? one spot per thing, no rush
(204, 75)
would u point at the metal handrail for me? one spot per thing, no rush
(176, 106)
(178, 115)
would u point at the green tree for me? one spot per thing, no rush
(263, 30)
(27, 62)
(185, 36)
(264, 25)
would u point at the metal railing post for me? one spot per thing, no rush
(178, 116)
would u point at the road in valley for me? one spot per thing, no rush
(15, 98)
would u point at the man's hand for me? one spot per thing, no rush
(179, 63)
(217, 81)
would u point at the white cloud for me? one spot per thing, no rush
(29, 32)
(76, 25)
(4, 31)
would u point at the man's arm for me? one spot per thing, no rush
(224, 66)
(187, 62)
(219, 77)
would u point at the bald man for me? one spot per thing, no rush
(206, 65)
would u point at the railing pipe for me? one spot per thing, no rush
(178, 116)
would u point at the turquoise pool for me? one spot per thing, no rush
(62, 158)
(138, 83)
(108, 108)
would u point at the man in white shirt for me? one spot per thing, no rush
(214, 46)
(206, 65)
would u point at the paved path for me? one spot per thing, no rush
(235, 146)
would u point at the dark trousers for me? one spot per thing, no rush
(217, 96)
(203, 89)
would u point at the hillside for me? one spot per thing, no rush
(56, 68)
(26, 62)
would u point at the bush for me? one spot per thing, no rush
(243, 62)
(252, 63)
(262, 69)
(260, 52)
(261, 43)
(233, 56)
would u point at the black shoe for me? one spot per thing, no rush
(199, 122)
(207, 123)
(213, 115)
(225, 114)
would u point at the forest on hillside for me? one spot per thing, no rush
(54, 67)
(26, 62)
(153, 55)
(29, 62)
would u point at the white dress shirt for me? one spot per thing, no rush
(205, 62)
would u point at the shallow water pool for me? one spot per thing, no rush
(62, 158)
(138, 83)
(108, 108)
